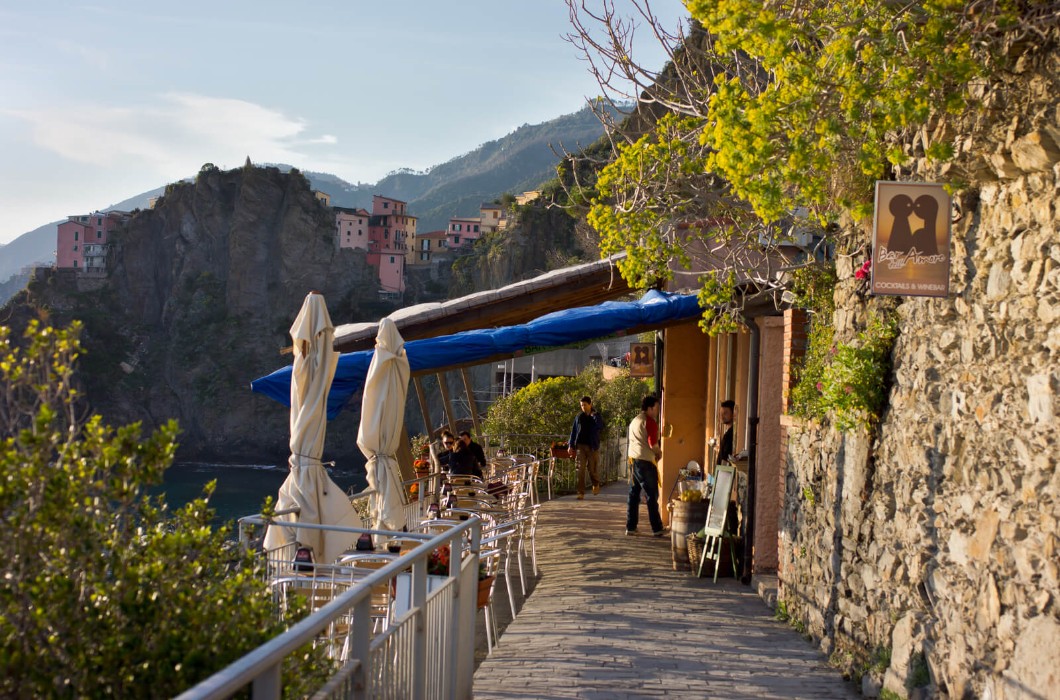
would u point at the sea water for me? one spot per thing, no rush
(241, 488)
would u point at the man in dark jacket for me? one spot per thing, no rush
(584, 444)
(475, 448)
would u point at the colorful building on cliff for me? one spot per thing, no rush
(351, 227)
(82, 241)
(390, 227)
(426, 247)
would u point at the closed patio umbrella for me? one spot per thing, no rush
(308, 486)
(382, 417)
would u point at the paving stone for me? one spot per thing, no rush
(608, 617)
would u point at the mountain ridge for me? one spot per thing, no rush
(518, 161)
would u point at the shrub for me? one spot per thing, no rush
(105, 592)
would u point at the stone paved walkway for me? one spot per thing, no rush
(610, 618)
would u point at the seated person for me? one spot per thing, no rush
(462, 461)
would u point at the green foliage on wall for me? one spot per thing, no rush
(105, 592)
(847, 382)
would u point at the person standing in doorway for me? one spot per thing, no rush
(725, 449)
(644, 453)
(583, 444)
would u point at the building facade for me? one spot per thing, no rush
(426, 247)
(82, 241)
(351, 227)
(390, 227)
(463, 231)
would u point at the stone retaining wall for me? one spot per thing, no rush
(934, 537)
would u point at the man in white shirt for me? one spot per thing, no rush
(644, 452)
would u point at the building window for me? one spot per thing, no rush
(391, 259)
(456, 240)
(75, 263)
(360, 232)
(99, 234)
(75, 235)
(476, 228)
(75, 247)
(386, 205)
(99, 221)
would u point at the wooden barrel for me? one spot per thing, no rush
(686, 517)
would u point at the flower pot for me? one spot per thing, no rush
(484, 591)
(560, 452)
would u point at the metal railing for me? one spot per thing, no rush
(561, 471)
(426, 649)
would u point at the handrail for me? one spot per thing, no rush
(262, 666)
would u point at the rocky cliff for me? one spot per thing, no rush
(198, 301)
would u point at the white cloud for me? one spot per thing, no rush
(175, 134)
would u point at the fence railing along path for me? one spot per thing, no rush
(609, 617)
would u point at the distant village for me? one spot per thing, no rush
(388, 234)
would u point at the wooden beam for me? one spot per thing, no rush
(446, 404)
(469, 390)
(425, 409)
(508, 312)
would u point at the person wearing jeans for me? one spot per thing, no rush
(584, 444)
(644, 452)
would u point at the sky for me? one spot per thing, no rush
(101, 101)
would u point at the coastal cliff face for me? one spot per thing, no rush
(199, 298)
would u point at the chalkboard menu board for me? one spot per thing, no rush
(724, 476)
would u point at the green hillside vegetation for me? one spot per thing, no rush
(519, 161)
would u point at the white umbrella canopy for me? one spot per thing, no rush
(382, 417)
(308, 487)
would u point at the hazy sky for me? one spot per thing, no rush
(100, 101)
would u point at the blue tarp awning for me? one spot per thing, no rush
(549, 331)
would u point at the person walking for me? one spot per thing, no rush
(644, 453)
(583, 444)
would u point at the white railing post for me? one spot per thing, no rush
(465, 611)
(360, 646)
(419, 640)
(268, 685)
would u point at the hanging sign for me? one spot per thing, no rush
(641, 360)
(911, 240)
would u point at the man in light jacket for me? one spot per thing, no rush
(644, 452)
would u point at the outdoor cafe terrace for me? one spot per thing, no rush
(544, 598)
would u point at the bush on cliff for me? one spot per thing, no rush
(103, 592)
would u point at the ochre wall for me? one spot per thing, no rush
(684, 388)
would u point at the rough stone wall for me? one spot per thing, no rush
(935, 535)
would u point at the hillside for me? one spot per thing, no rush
(519, 161)
(201, 293)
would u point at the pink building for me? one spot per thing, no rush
(390, 227)
(463, 231)
(82, 241)
(351, 226)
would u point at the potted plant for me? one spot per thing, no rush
(438, 565)
(560, 449)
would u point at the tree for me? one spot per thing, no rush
(774, 118)
(547, 406)
(103, 591)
